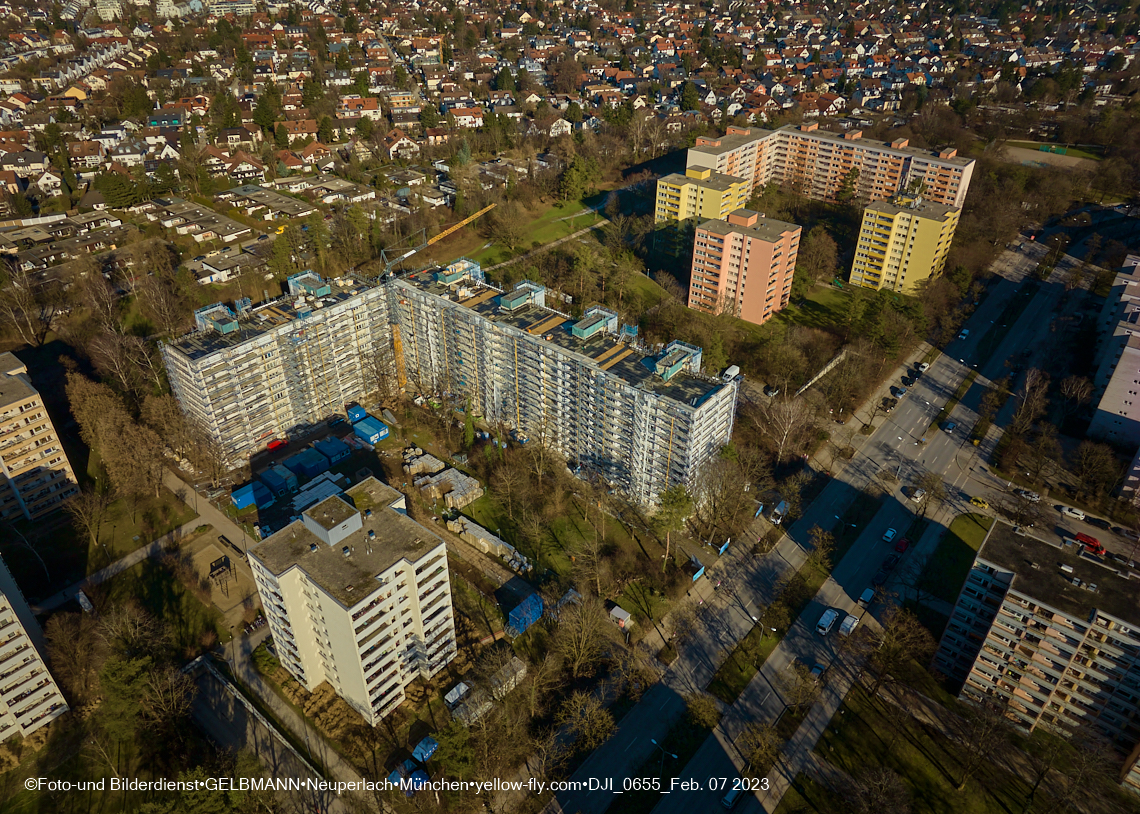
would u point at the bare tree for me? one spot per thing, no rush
(1032, 401)
(87, 510)
(28, 304)
(903, 638)
(130, 631)
(703, 711)
(785, 422)
(800, 687)
(167, 698)
(878, 791)
(760, 744)
(74, 651)
(936, 494)
(984, 733)
(583, 635)
(1077, 391)
(1096, 468)
(587, 719)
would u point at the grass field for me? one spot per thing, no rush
(946, 570)
(862, 738)
(822, 308)
(1075, 152)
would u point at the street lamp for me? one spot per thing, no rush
(661, 768)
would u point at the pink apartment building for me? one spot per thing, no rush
(743, 266)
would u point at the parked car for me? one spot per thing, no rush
(890, 404)
(917, 495)
(979, 502)
(816, 672)
(732, 797)
(908, 381)
(826, 621)
(1032, 497)
(867, 597)
(923, 367)
(1076, 514)
(277, 442)
(1099, 523)
(889, 535)
(898, 392)
(1123, 532)
(263, 237)
(770, 391)
(848, 625)
(965, 333)
(199, 258)
(902, 545)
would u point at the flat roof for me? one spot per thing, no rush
(1037, 566)
(12, 387)
(330, 512)
(636, 368)
(265, 317)
(716, 180)
(350, 579)
(769, 230)
(923, 207)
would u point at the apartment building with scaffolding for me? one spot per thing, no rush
(903, 243)
(1053, 632)
(255, 373)
(29, 696)
(357, 594)
(35, 475)
(829, 166)
(643, 420)
(743, 265)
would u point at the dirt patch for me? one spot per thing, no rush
(1022, 155)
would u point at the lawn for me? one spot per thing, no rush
(70, 555)
(158, 591)
(946, 570)
(805, 796)
(861, 738)
(1075, 152)
(822, 308)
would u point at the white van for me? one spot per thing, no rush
(848, 625)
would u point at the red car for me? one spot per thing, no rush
(902, 545)
(277, 442)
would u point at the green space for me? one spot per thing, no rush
(70, 554)
(862, 738)
(749, 655)
(1004, 323)
(790, 719)
(822, 308)
(194, 625)
(806, 796)
(947, 569)
(1075, 152)
(683, 739)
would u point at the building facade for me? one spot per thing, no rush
(903, 243)
(255, 374)
(35, 475)
(699, 194)
(29, 696)
(357, 594)
(643, 421)
(829, 166)
(743, 266)
(1116, 383)
(1050, 631)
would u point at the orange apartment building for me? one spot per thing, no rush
(743, 266)
(35, 475)
(823, 165)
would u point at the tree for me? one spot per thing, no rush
(573, 113)
(674, 505)
(364, 128)
(903, 638)
(281, 137)
(1077, 391)
(936, 494)
(28, 304)
(1096, 469)
(586, 720)
(87, 510)
(73, 648)
(690, 99)
(583, 635)
(818, 256)
(878, 791)
(703, 710)
(1032, 400)
(800, 688)
(822, 547)
(505, 80)
(985, 734)
(785, 422)
(760, 744)
(325, 130)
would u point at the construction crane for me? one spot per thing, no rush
(450, 230)
(397, 341)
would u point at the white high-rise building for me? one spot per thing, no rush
(29, 696)
(357, 594)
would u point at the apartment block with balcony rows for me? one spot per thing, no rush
(902, 243)
(743, 266)
(29, 696)
(255, 373)
(643, 419)
(829, 166)
(357, 594)
(1052, 632)
(35, 475)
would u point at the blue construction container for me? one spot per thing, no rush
(274, 482)
(252, 494)
(425, 749)
(369, 430)
(525, 614)
(307, 464)
(355, 413)
(332, 448)
(289, 478)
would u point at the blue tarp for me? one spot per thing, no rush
(332, 448)
(425, 749)
(307, 464)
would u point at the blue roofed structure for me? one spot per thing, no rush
(332, 448)
(307, 463)
(252, 494)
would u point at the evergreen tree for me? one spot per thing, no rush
(281, 137)
(325, 130)
(690, 99)
(505, 80)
